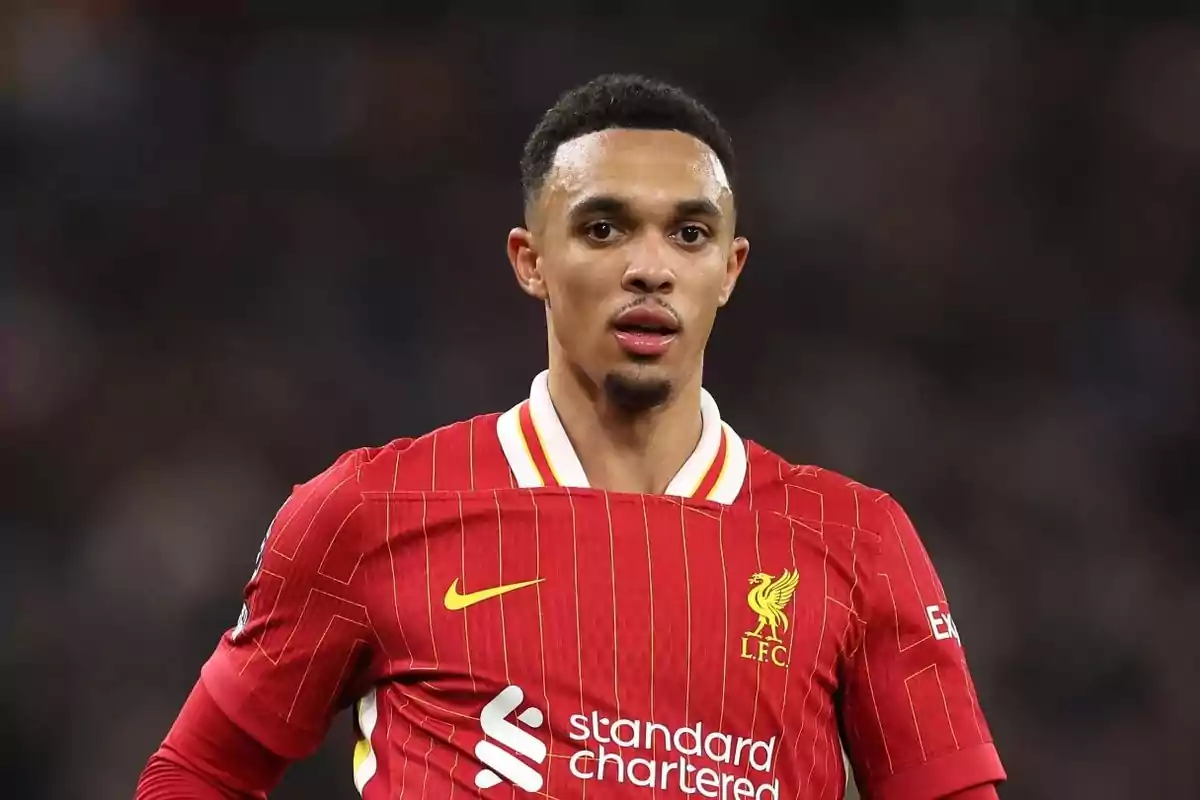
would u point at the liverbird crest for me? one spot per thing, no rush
(768, 597)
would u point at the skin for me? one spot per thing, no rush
(628, 217)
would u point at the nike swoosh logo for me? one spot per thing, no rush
(457, 602)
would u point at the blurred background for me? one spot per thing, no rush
(237, 240)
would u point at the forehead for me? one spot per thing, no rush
(640, 165)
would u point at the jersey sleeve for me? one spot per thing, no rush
(912, 721)
(303, 645)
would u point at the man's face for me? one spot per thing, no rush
(631, 244)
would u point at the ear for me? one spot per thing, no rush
(738, 252)
(523, 255)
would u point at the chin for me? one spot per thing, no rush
(642, 371)
(638, 388)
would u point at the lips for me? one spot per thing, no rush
(647, 319)
(645, 331)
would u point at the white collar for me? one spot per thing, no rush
(540, 454)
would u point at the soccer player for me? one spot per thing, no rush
(604, 590)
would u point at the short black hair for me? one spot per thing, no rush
(619, 101)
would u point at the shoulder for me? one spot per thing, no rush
(835, 502)
(443, 458)
(397, 465)
(810, 492)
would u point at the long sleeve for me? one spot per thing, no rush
(207, 757)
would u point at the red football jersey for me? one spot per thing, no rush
(503, 629)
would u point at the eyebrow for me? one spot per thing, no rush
(616, 206)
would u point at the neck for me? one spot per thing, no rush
(621, 452)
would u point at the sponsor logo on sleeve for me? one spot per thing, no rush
(942, 624)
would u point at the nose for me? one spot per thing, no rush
(650, 270)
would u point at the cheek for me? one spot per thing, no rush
(577, 301)
(701, 325)
(580, 286)
(704, 295)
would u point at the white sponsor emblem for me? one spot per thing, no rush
(503, 763)
(942, 625)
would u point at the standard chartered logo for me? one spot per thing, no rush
(692, 759)
(494, 719)
(623, 750)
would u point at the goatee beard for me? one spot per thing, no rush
(636, 396)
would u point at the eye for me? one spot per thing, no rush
(601, 231)
(692, 234)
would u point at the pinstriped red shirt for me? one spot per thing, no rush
(503, 629)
